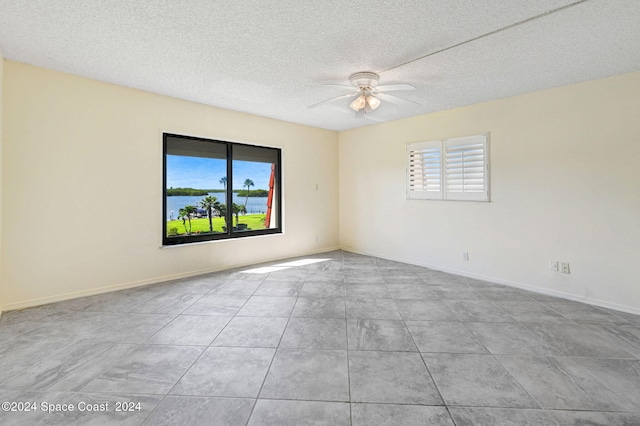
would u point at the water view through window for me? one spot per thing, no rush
(200, 177)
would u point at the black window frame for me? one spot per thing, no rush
(230, 233)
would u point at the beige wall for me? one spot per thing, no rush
(565, 186)
(82, 172)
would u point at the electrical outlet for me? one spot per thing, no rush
(554, 266)
(465, 256)
(565, 268)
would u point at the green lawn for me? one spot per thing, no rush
(253, 221)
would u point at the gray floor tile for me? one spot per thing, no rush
(393, 415)
(236, 287)
(18, 355)
(500, 292)
(411, 291)
(198, 285)
(293, 413)
(585, 313)
(321, 289)
(67, 328)
(279, 288)
(75, 379)
(582, 340)
(183, 410)
(546, 339)
(476, 380)
(509, 338)
(375, 291)
(431, 276)
(215, 304)
(56, 366)
(326, 277)
(288, 274)
(125, 327)
(372, 308)
(308, 374)
(118, 301)
(315, 333)
(316, 307)
(449, 337)
(148, 369)
(628, 334)
(168, 303)
(468, 416)
(549, 383)
(265, 306)
(391, 377)
(401, 279)
(531, 312)
(190, 330)
(582, 418)
(478, 311)
(253, 332)
(362, 278)
(15, 323)
(231, 372)
(456, 291)
(424, 310)
(379, 335)
(613, 382)
(631, 318)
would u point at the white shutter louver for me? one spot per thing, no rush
(424, 170)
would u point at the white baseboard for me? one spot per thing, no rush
(540, 290)
(155, 280)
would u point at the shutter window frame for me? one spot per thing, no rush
(463, 169)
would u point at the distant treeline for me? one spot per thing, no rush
(191, 192)
(252, 193)
(186, 192)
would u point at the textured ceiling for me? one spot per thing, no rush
(272, 58)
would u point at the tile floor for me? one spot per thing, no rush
(334, 339)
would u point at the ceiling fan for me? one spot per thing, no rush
(368, 95)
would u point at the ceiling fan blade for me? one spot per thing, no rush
(395, 99)
(341, 86)
(350, 95)
(391, 87)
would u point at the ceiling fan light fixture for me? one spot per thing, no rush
(373, 102)
(358, 103)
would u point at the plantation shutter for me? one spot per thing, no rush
(465, 168)
(451, 169)
(424, 170)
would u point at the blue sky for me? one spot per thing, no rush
(205, 173)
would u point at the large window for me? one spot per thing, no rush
(449, 169)
(215, 190)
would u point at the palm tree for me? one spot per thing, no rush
(221, 210)
(237, 209)
(248, 183)
(185, 213)
(210, 204)
(223, 181)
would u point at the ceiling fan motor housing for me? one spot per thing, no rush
(364, 79)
